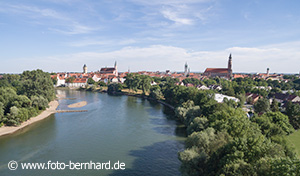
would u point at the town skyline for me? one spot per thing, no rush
(58, 36)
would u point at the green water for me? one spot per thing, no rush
(143, 135)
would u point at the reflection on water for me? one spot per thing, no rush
(143, 135)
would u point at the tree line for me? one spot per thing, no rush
(222, 139)
(24, 95)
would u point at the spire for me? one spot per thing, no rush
(185, 69)
(230, 66)
(115, 64)
(230, 62)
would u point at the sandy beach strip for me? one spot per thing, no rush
(11, 129)
(77, 105)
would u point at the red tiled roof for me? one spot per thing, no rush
(216, 70)
(80, 80)
(109, 69)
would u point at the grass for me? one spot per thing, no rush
(139, 92)
(295, 139)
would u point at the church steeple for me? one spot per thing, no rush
(230, 62)
(230, 66)
(185, 69)
(85, 69)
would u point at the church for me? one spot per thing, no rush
(110, 70)
(220, 72)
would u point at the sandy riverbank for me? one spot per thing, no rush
(78, 105)
(11, 129)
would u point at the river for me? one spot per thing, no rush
(142, 134)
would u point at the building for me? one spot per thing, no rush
(78, 82)
(220, 72)
(110, 70)
(186, 70)
(220, 98)
(85, 69)
(280, 97)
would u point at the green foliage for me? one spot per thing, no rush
(155, 93)
(54, 80)
(90, 81)
(39, 102)
(101, 83)
(145, 83)
(197, 124)
(15, 90)
(262, 105)
(37, 83)
(274, 106)
(226, 142)
(242, 99)
(274, 123)
(293, 112)
(1, 111)
(114, 88)
(12, 117)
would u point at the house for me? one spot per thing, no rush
(78, 82)
(215, 87)
(220, 98)
(280, 97)
(189, 85)
(252, 97)
(220, 72)
(96, 77)
(60, 79)
(153, 83)
(202, 87)
(114, 80)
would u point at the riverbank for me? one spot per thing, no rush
(126, 92)
(5, 130)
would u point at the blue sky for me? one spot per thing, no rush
(63, 35)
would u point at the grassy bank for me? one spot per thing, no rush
(295, 140)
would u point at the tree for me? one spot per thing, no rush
(274, 106)
(114, 88)
(11, 118)
(145, 83)
(155, 93)
(39, 102)
(129, 81)
(293, 112)
(37, 83)
(274, 123)
(242, 99)
(1, 111)
(54, 80)
(101, 83)
(262, 105)
(90, 81)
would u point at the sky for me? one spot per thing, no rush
(156, 35)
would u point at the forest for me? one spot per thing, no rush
(23, 96)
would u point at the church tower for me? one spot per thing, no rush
(186, 69)
(85, 69)
(116, 68)
(230, 66)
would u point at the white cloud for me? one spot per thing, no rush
(174, 16)
(160, 57)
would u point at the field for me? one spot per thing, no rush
(295, 139)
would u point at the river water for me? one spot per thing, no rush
(142, 134)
